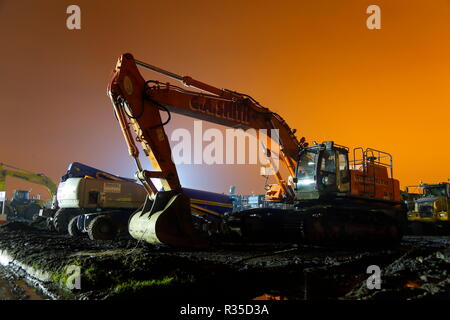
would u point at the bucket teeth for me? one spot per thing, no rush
(166, 220)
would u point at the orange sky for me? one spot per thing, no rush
(314, 62)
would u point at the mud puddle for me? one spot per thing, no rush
(14, 288)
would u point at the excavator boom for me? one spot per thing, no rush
(166, 216)
(138, 103)
(36, 178)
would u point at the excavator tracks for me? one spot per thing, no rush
(321, 225)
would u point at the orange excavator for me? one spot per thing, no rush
(325, 201)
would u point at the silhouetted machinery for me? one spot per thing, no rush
(331, 199)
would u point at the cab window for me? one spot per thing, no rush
(306, 171)
(328, 169)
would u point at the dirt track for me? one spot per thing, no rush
(418, 269)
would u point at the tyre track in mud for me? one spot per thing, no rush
(126, 269)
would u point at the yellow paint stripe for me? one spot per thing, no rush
(213, 203)
(205, 210)
(194, 211)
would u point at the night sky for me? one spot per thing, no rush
(313, 62)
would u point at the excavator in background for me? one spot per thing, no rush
(23, 206)
(331, 198)
(430, 209)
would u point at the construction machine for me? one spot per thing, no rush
(23, 205)
(430, 211)
(409, 195)
(328, 200)
(95, 202)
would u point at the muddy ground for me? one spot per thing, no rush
(13, 287)
(128, 269)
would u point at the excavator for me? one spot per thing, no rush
(23, 206)
(328, 197)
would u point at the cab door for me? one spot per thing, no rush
(343, 176)
(327, 173)
(333, 172)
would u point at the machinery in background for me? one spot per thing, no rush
(245, 202)
(328, 202)
(101, 208)
(95, 202)
(409, 195)
(429, 211)
(80, 170)
(24, 206)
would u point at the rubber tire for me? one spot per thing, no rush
(30, 211)
(62, 218)
(72, 228)
(101, 228)
(49, 224)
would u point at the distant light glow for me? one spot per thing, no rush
(157, 184)
(306, 182)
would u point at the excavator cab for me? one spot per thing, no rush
(434, 199)
(21, 197)
(23, 205)
(322, 170)
(437, 190)
(348, 200)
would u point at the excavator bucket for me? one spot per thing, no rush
(166, 220)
